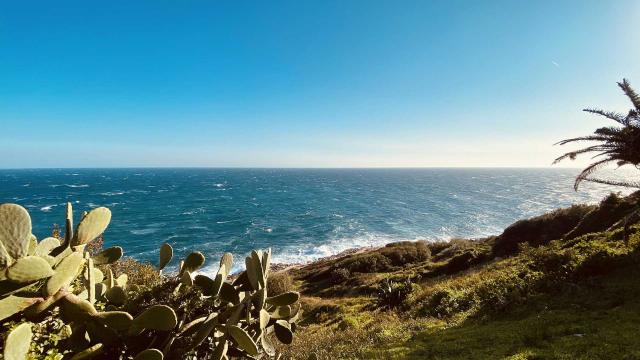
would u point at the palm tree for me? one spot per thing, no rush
(618, 144)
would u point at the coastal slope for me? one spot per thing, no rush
(562, 285)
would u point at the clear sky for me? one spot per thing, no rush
(307, 83)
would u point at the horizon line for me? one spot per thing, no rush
(292, 167)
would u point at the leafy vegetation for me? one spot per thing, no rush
(60, 298)
(395, 294)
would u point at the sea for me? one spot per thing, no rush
(302, 214)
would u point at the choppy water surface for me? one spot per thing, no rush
(301, 214)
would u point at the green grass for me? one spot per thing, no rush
(600, 320)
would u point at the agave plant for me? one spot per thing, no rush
(618, 144)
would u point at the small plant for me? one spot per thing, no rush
(340, 275)
(394, 294)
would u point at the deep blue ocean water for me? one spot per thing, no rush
(301, 214)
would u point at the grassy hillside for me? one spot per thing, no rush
(563, 285)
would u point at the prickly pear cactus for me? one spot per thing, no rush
(198, 315)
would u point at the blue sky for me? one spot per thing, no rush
(307, 83)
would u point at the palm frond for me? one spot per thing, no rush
(573, 154)
(615, 116)
(589, 170)
(614, 182)
(631, 94)
(583, 138)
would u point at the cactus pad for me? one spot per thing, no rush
(68, 225)
(65, 272)
(256, 256)
(157, 317)
(205, 283)
(15, 229)
(266, 262)
(14, 304)
(264, 318)
(283, 332)
(116, 320)
(227, 261)
(245, 342)
(281, 312)
(193, 262)
(122, 280)
(76, 308)
(116, 295)
(252, 272)
(149, 354)
(29, 269)
(92, 226)
(220, 277)
(204, 329)
(191, 326)
(45, 246)
(89, 353)
(32, 244)
(283, 299)
(166, 253)
(229, 293)
(108, 256)
(98, 275)
(18, 342)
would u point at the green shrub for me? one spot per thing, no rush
(279, 283)
(453, 247)
(394, 294)
(406, 252)
(446, 302)
(540, 229)
(365, 263)
(612, 209)
(437, 246)
(340, 275)
(460, 262)
(387, 258)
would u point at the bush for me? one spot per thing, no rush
(387, 258)
(278, 283)
(539, 230)
(339, 275)
(138, 273)
(406, 252)
(612, 209)
(462, 262)
(394, 294)
(366, 263)
(446, 302)
(437, 246)
(453, 247)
